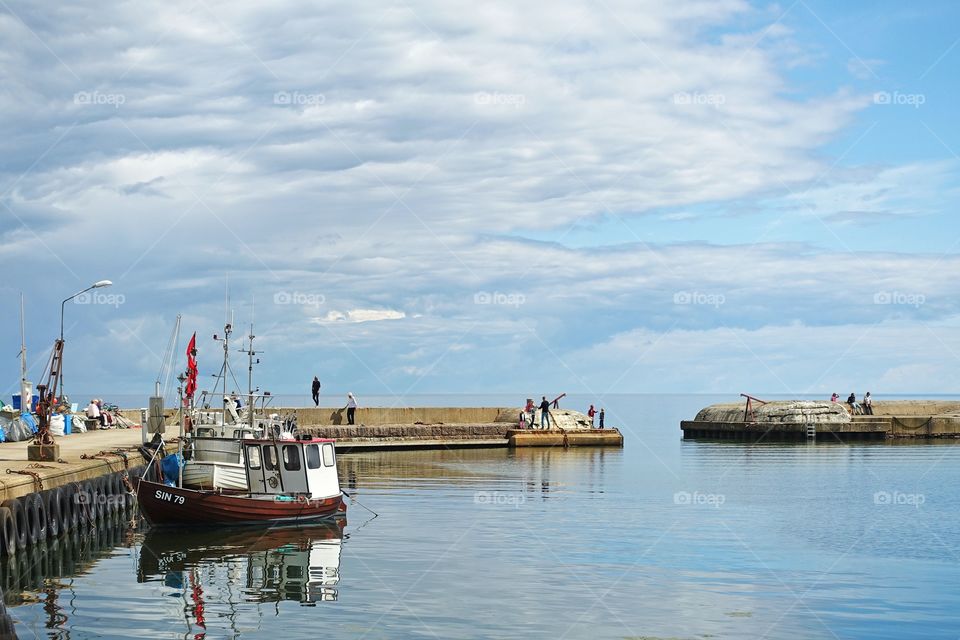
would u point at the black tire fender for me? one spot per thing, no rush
(8, 532)
(52, 499)
(19, 520)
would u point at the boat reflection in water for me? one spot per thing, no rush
(298, 564)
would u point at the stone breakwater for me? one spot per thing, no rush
(794, 411)
(824, 420)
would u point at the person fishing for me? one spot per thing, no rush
(544, 413)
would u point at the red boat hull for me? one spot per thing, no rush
(163, 505)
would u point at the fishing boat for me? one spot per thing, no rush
(214, 452)
(291, 482)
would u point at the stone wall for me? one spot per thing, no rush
(411, 432)
(369, 416)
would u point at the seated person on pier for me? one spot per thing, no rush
(854, 405)
(94, 413)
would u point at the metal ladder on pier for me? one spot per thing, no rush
(811, 430)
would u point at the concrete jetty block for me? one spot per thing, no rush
(13, 459)
(560, 438)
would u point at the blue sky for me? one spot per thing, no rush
(417, 197)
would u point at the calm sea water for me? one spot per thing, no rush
(663, 539)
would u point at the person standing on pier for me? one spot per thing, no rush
(544, 413)
(531, 410)
(351, 407)
(602, 413)
(315, 391)
(868, 404)
(590, 413)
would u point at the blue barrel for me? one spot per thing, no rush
(17, 403)
(67, 424)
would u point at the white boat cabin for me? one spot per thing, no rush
(218, 444)
(298, 467)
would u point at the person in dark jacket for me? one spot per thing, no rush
(854, 405)
(315, 389)
(544, 413)
(602, 414)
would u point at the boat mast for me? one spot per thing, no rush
(250, 354)
(253, 307)
(227, 330)
(181, 378)
(26, 399)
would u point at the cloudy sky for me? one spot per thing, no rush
(418, 196)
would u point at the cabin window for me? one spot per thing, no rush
(253, 457)
(204, 433)
(270, 457)
(328, 460)
(313, 456)
(291, 457)
(236, 434)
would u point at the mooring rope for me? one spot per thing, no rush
(375, 514)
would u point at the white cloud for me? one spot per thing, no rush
(360, 315)
(430, 150)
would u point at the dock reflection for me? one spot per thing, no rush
(541, 469)
(302, 565)
(40, 567)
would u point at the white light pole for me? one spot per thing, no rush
(96, 285)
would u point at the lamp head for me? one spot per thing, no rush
(102, 283)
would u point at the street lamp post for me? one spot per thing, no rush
(44, 447)
(96, 285)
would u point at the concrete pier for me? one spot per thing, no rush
(823, 420)
(13, 460)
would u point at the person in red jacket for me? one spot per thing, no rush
(590, 413)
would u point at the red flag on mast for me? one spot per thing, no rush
(191, 386)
